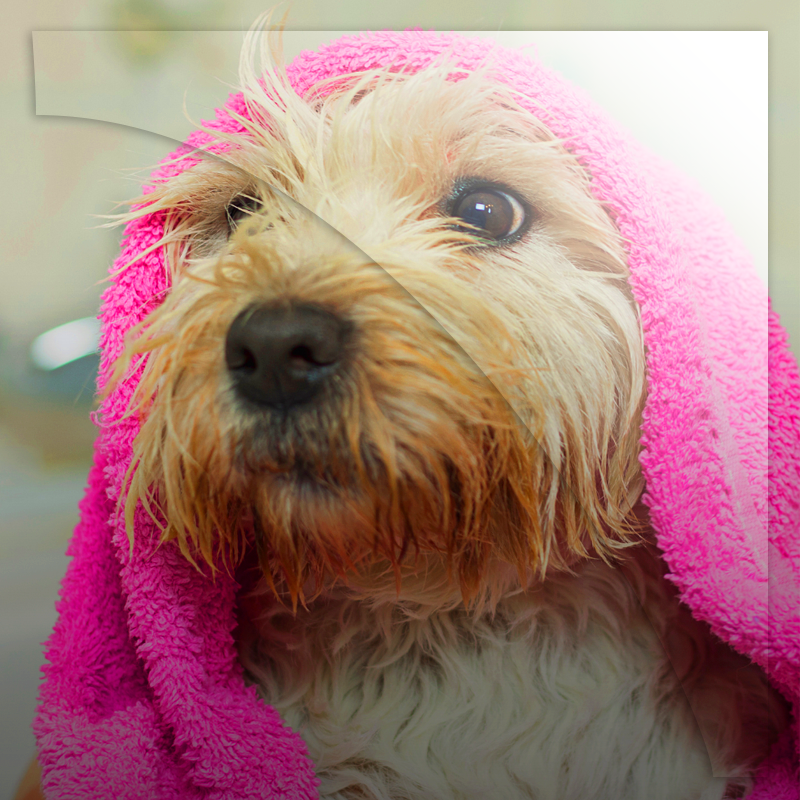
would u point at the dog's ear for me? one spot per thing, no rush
(596, 507)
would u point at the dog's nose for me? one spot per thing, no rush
(281, 356)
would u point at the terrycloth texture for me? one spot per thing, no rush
(143, 695)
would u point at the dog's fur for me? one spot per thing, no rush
(460, 596)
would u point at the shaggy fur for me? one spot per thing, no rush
(460, 597)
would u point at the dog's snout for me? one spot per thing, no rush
(281, 357)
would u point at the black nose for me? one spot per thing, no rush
(281, 357)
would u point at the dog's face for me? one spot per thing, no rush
(399, 323)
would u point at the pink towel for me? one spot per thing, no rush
(143, 695)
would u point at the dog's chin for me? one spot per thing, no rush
(302, 485)
(301, 492)
(314, 509)
(313, 528)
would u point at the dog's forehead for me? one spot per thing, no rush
(385, 127)
(380, 157)
(404, 144)
(398, 136)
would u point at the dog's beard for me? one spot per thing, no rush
(412, 448)
(489, 410)
(415, 448)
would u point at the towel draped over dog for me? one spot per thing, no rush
(143, 694)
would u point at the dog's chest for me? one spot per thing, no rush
(558, 695)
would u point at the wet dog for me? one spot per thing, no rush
(401, 374)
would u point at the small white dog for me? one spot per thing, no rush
(436, 448)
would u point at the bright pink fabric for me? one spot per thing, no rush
(144, 697)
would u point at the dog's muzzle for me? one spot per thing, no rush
(281, 357)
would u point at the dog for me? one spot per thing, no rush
(398, 383)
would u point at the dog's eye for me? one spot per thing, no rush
(489, 212)
(243, 205)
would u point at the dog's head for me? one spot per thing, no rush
(399, 323)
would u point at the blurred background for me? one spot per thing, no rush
(698, 96)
